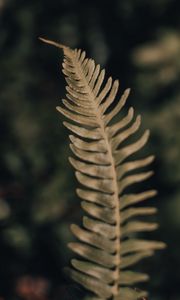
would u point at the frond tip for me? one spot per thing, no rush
(107, 244)
(50, 42)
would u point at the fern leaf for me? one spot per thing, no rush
(106, 244)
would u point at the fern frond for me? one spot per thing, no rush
(106, 245)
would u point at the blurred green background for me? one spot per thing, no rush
(136, 41)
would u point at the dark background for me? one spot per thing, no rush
(137, 41)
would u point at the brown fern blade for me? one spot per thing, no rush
(104, 171)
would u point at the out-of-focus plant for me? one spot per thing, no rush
(31, 288)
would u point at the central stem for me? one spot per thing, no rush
(97, 111)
